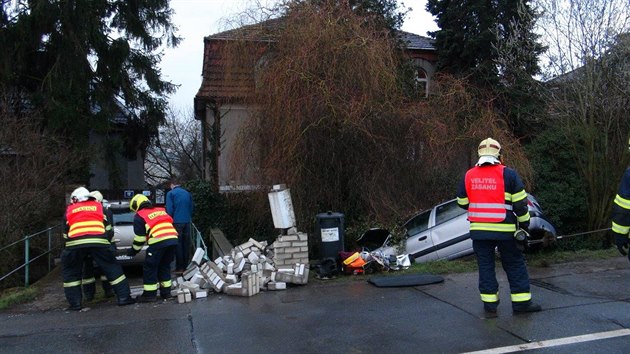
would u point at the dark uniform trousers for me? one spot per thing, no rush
(74, 258)
(88, 280)
(511, 260)
(156, 269)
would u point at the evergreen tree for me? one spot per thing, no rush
(493, 44)
(80, 61)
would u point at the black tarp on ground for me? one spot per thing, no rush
(405, 280)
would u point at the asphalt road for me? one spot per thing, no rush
(586, 309)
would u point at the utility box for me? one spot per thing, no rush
(281, 207)
(329, 228)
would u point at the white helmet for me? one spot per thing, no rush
(97, 195)
(80, 194)
(489, 147)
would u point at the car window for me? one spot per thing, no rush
(447, 212)
(418, 223)
(124, 218)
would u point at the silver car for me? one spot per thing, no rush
(442, 232)
(123, 232)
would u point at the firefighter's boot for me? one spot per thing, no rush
(147, 296)
(88, 291)
(73, 295)
(123, 293)
(165, 293)
(107, 287)
(527, 306)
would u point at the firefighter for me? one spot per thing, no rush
(152, 225)
(88, 282)
(495, 198)
(85, 236)
(621, 213)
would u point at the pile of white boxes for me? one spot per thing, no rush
(246, 271)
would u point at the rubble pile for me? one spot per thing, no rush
(248, 269)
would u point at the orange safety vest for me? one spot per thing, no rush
(85, 218)
(485, 188)
(159, 224)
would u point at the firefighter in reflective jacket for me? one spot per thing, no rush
(88, 279)
(495, 198)
(84, 237)
(621, 214)
(152, 225)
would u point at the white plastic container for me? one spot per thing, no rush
(281, 208)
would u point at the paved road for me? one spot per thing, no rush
(586, 310)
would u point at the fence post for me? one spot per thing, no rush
(26, 260)
(49, 246)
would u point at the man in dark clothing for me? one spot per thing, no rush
(495, 198)
(152, 225)
(179, 205)
(85, 236)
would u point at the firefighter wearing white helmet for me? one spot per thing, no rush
(153, 226)
(88, 280)
(80, 194)
(621, 213)
(495, 198)
(85, 236)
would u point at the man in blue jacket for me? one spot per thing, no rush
(179, 205)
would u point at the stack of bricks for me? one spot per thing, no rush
(291, 248)
(296, 275)
(246, 271)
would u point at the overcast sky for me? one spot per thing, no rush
(196, 19)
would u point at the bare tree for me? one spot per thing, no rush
(33, 169)
(333, 122)
(176, 151)
(588, 59)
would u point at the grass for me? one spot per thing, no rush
(14, 296)
(548, 258)
(469, 263)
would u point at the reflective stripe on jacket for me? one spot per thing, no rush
(85, 224)
(158, 224)
(514, 202)
(621, 207)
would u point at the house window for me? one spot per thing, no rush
(422, 82)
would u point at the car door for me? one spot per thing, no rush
(450, 235)
(419, 244)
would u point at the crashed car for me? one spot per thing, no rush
(442, 232)
(123, 232)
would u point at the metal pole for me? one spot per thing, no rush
(26, 261)
(49, 247)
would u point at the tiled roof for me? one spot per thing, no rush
(217, 87)
(415, 41)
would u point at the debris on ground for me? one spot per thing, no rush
(248, 269)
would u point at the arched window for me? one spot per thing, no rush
(422, 82)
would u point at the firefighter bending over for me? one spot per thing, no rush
(152, 225)
(85, 236)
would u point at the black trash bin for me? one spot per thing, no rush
(329, 230)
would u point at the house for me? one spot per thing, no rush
(221, 102)
(113, 170)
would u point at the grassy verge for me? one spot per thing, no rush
(548, 258)
(469, 263)
(14, 296)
